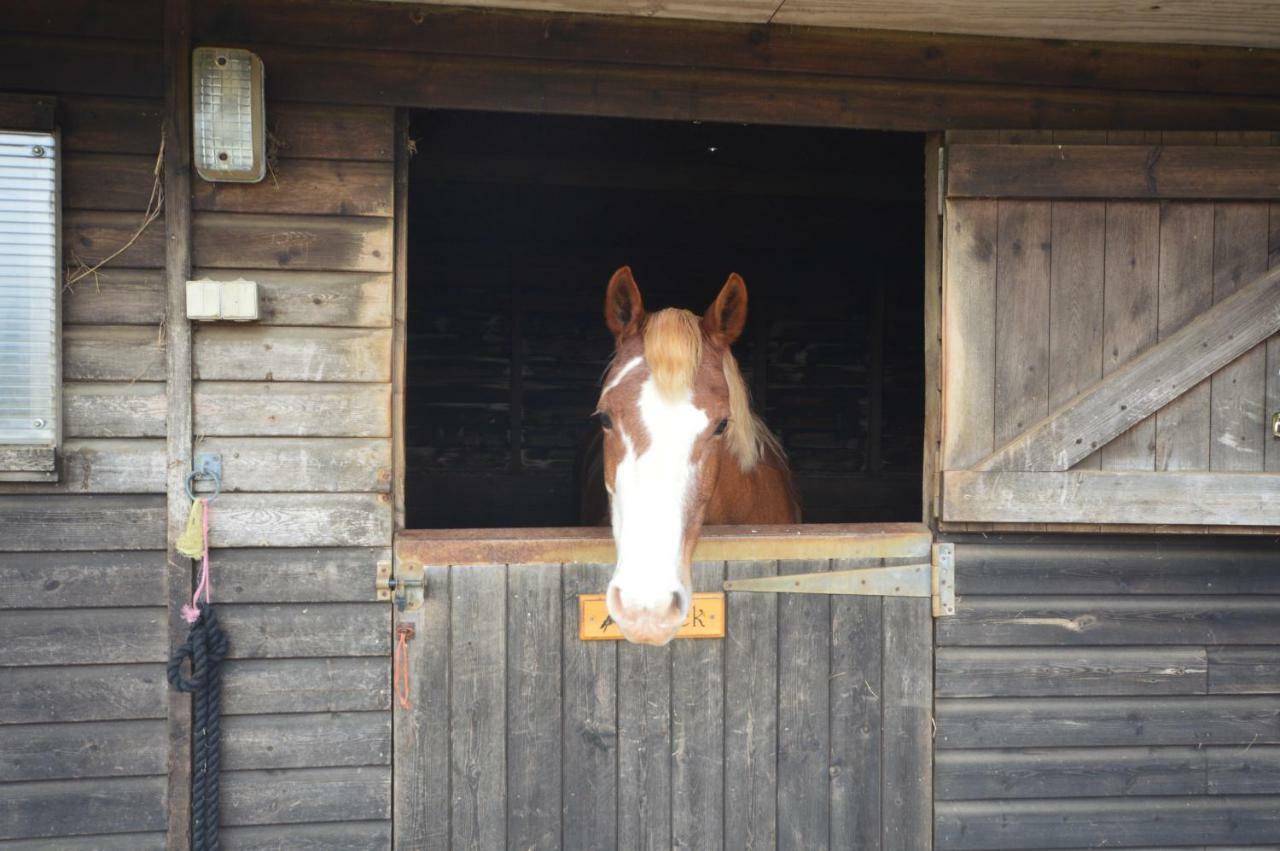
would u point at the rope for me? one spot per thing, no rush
(205, 648)
(400, 674)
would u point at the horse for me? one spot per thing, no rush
(681, 447)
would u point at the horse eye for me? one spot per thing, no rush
(721, 426)
(606, 421)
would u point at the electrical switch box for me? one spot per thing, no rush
(231, 300)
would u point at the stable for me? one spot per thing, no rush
(1014, 305)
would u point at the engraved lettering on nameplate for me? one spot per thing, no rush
(706, 618)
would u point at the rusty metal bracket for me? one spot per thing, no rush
(406, 585)
(944, 580)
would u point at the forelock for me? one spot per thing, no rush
(673, 351)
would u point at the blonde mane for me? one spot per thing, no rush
(673, 350)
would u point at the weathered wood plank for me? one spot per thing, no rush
(114, 124)
(968, 335)
(423, 797)
(1078, 237)
(804, 713)
(1272, 402)
(589, 769)
(82, 636)
(1244, 670)
(353, 836)
(644, 747)
(27, 459)
(533, 706)
(1044, 722)
(1022, 317)
(1092, 496)
(301, 520)
(28, 112)
(264, 686)
(326, 575)
(111, 842)
(115, 296)
(1116, 568)
(697, 731)
(301, 464)
(72, 580)
(333, 132)
(1112, 172)
(1099, 620)
(1019, 672)
(1237, 771)
(1146, 383)
(1238, 426)
(1186, 291)
(906, 735)
(255, 353)
(750, 705)
(1070, 773)
(77, 523)
(317, 629)
(91, 236)
(1091, 822)
(113, 410)
(61, 807)
(56, 693)
(119, 182)
(242, 240)
(306, 795)
(66, 751)
(1130, 316)
(112, 353)
(105, 466)
(857, 631)
(346, 299)
(477, 707)
(301, 409)
(312, 187)
(306, 740)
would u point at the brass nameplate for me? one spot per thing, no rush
(706, 618)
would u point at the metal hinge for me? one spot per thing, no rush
(934, 579)
(406, 587)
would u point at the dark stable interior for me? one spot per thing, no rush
(516, 223)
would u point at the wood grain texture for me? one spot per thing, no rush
(589, 766)
(79, 523)
(644, 747)
(534, 689)
(1244, 670)
(116, 296)
(33, 752)
(292, 354)
(331, 243)
(105, 805)
(804, 667)
(91, 236)
(907, 748)
(1114, 172)
(1071, 773)
(697, 732)
(477, 707)
(320, 575)
(301, 520)
(309, 740)
(324, 684)
(288, 297)
(857, 683)
(301, 409)
(301, 464)
(119, 182)
(751, 721)
(113, 125)
(968, 332)
(105, 466)
(331, 131)
(354, 836)
(421, 767)
(1128, 497)
(112, 353)
(51, 694)
(1022, 317)
(113, 409)
(306, 795)
(1271, 446)
(70, 580)
(320, 187)
(1012, 671)
(288, 631)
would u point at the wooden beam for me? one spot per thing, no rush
(1113, 171)
(177, 266)
(631, 40)
(1121, 497)
(718, 543)
(1147, 383)
(400, 317)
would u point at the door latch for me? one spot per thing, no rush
(406, 586)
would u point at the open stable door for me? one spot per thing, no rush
(806, 726)
(1108, 322)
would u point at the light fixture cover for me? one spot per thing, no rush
(228, 116)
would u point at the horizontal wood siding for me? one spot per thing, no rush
(1116, 694)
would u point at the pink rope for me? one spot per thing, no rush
(191, 613)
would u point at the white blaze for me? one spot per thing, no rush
(650, 492)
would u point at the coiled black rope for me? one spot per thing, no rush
(205, 647)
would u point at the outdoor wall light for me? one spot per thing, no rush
(229, 119)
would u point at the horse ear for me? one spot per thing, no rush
(728, 313)
(623, 309)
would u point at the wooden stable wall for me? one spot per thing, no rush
(1095, 693)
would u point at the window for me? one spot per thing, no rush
(29, 297)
